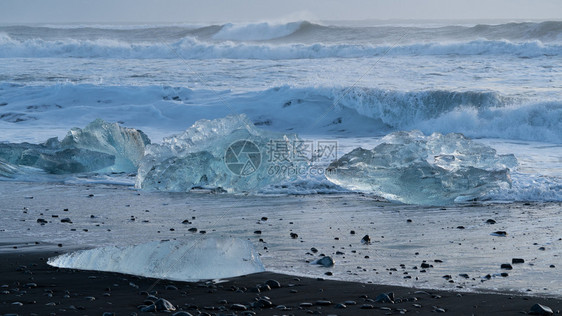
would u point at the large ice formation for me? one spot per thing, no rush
(99, 146)
(192, 260)
(428, 170)
(228, 153)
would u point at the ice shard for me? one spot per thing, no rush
(185, 260)
(228, 153)
(427, 170)
(100, 146)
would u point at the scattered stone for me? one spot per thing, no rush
(41, 221)
(108, 314)
(460, 227)
(504, 274)
(192, 229)
(464, 275)
(17, 303)
(90, 298)
(238, 307)
(517, 260)
(257, 232)
(340, 306)
(171, 287)
(314, 250)
(438, 309)
(264, 218)
(490, 221)
(147, 309)
(350, 303)
(164, 305)
(500, 233)
(506, 266)
(294, 236)
(264, 303)
(274, 284)
(384, 298)
(539, 309)
(305, 304)
(366, 240)
(182, 313)
(66, 220)
(323, 303)
(552, 266)
(325, 261)
(367, 306)
(352, 232)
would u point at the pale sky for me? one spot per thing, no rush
(173, 11)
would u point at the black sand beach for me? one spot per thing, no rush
(30, 286)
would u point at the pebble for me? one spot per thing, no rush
(366, 306)
(305, 304)
(340, 306)
(182, 313)
(384, 298)
(323, 302)
(539, 309)
(294, 236)
(366, 240)
(325, 261)
(490, 221)
(500, 233)
(350, 303)
(517, 260)
(41, 221)
(274, 284)
(506, 266)
(164, 305)
(238, 307)
(66, 220)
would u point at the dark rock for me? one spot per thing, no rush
(506, 266)
(325, 261)
(108, 314)
(460, 227)
(490, 221)
(314, 250)
(464, 275)
(367, 306)
(257, 232)
(384, 298)
(182, 313)
(294, 236)
(340, 306)
(264, 218)
(274, 284)
(305, 304)
(192, 229)
(352, 232)
(171, 287)
(147, 309)
(263, 303)
(238, 307)
(499, 233)
(517, 260)
(366, 240)
(41, 221)
(539, 309)
(350, 303)
(164, 305)
(66, 220)
(323, 303)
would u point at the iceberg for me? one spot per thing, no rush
(100, 146)
(195, 260)
(229, 153)
(427, 170)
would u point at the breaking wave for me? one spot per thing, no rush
(193, 48)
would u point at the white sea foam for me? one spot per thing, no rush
(192, 48)
(188, 260)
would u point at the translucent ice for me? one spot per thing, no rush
(208, 258)
(99, 146)
(417, 169)
(126, 144)
(228, 153)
